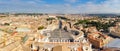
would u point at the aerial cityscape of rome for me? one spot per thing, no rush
(59, 25)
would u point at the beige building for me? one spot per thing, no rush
(98, 39)
(61, 48)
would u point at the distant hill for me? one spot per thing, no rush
(103, 15)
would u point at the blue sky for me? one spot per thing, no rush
(60, 6)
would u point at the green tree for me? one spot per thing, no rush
(40, 27)
(7, 24)
(50, 19)
(63, 18)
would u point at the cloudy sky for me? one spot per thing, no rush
(60, 6)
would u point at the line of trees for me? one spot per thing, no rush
(99, 25)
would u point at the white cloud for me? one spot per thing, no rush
(71, 1)
(107, 6)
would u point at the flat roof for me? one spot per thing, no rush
(113, 44)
